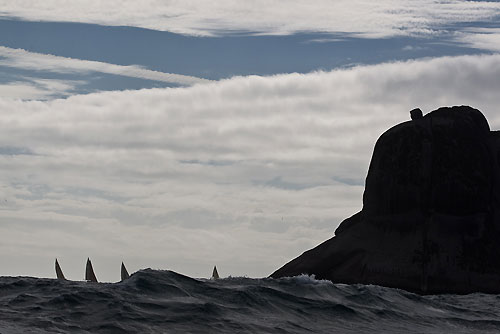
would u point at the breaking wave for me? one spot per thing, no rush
(153, 301)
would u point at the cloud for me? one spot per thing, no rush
(26, 60)
(383, 18)
(413, 48)
(244, 173)
(22, 90)
(480, 38)
(28, 88)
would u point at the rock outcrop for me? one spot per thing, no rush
(430, 221)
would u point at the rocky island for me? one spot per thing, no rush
(430, 221)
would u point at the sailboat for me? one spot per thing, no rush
(89, 272)
(215, 274)
(59, 272)
(124, 273)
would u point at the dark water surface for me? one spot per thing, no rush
(154, 301)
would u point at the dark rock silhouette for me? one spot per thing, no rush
(416, 114)
(430, 221)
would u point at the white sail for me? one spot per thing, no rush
(215, 274)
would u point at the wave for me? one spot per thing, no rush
(156, 301)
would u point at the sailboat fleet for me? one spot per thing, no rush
(91, 277)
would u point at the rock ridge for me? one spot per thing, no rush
(430, 221)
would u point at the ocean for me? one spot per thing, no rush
(157, 301)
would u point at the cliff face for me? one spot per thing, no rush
(430, 221)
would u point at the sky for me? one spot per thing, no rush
(181, 135)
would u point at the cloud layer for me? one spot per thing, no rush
(33, 88)
(244, 173)
(38, 89)
(360, 17)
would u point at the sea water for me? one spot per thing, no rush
(153, 301)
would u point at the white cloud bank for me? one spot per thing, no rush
(244, 173)
(480, 38)
(40, 88)
(35, 88)
(383, 18)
